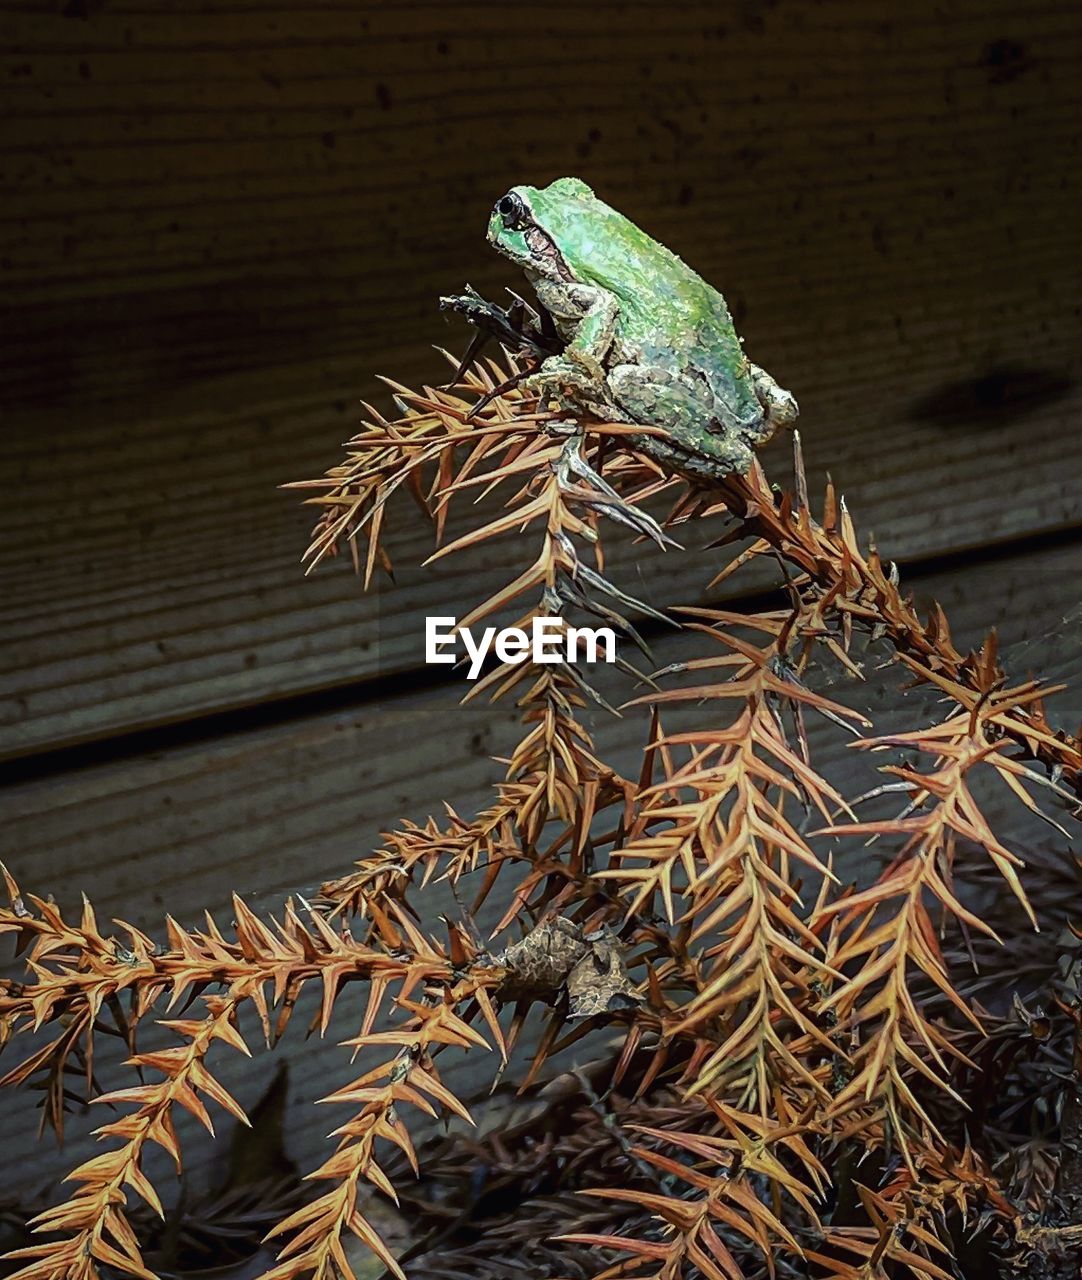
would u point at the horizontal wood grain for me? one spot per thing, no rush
(278, 810)
(217, 225)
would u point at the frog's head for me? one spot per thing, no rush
(540, 228)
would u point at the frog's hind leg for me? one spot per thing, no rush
(675, 402)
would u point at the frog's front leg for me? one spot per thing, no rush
(585, 317)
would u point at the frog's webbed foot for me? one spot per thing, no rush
(779, 405)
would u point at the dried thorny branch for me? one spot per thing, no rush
(804, 1077)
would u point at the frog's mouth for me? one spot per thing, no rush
(542, 247)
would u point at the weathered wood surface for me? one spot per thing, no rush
(277, 811)
(217, 225)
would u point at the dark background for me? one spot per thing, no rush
(219, 223)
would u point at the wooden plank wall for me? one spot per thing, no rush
(218, 224)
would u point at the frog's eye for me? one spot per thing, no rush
(512, 211)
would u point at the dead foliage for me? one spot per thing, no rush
(803, 1079)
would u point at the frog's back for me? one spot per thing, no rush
(658, 291)
(647, 277)
(602, 247)
(675, 319)
(719, 357)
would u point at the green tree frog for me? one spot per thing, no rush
(648, 340)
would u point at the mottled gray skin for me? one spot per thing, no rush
(649, 341)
